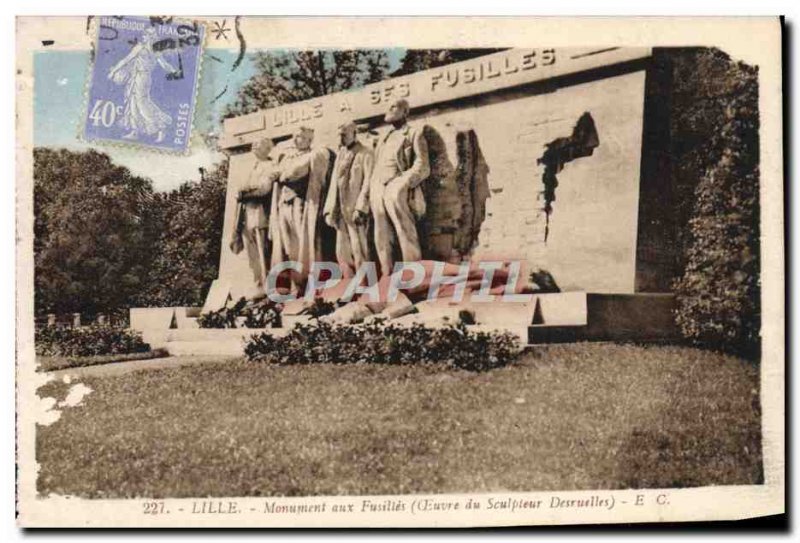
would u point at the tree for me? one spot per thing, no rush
(91, 247)
(286, 77)
(189, 220)
(714, 129)
(416, 60)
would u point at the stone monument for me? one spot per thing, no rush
(549, 157)
(507, 125)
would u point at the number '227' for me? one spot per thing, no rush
(154, 508)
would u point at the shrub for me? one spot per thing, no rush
(87, 341)
(380, 343)
(718, 295)
(320, 308)
(243, 314)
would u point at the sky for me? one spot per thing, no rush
(60, 79)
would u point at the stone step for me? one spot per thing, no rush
(616, 317)
(563, 308)
(161, 338)
(543, 334)
(546, 318)
(289, 321)
(143, 318)
(556, 309)
(187, 322)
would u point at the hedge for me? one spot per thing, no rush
(380, 343)
(87, 341)
(718, 293)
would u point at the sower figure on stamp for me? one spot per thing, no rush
(135, 71)
(347, 205)
(296, 204)
(396, 199)
(252, 214)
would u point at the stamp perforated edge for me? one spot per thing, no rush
(94, 31)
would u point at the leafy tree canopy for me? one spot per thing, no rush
(286, 77)
(91, 248)
(186, 251)
(416, 60)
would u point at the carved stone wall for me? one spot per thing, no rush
(472, 179)
(488, 200)
(592, 240)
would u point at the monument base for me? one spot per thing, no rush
(615, 317)
(545, 318)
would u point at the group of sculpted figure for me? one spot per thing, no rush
(284, 198)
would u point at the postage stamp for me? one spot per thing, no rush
(144, 82)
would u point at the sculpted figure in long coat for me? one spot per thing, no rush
(252, 213)
(346, 206)
(297, 203)
(402, 163)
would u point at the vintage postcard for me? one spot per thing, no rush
(398, 272)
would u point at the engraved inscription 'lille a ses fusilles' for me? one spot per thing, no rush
(446, 79)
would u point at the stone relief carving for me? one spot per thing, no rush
(381, 197)
(402, 164)
(296, 210)
(251, 221)
(347, 204)
(581, 143)
(472, 178)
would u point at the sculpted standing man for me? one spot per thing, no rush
(252, 212)
(297, 203)
(396, 200)
(347, 206)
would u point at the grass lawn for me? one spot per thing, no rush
(52, 363)
(579, 416)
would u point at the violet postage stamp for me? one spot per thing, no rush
(144, 81)
(407, 272)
